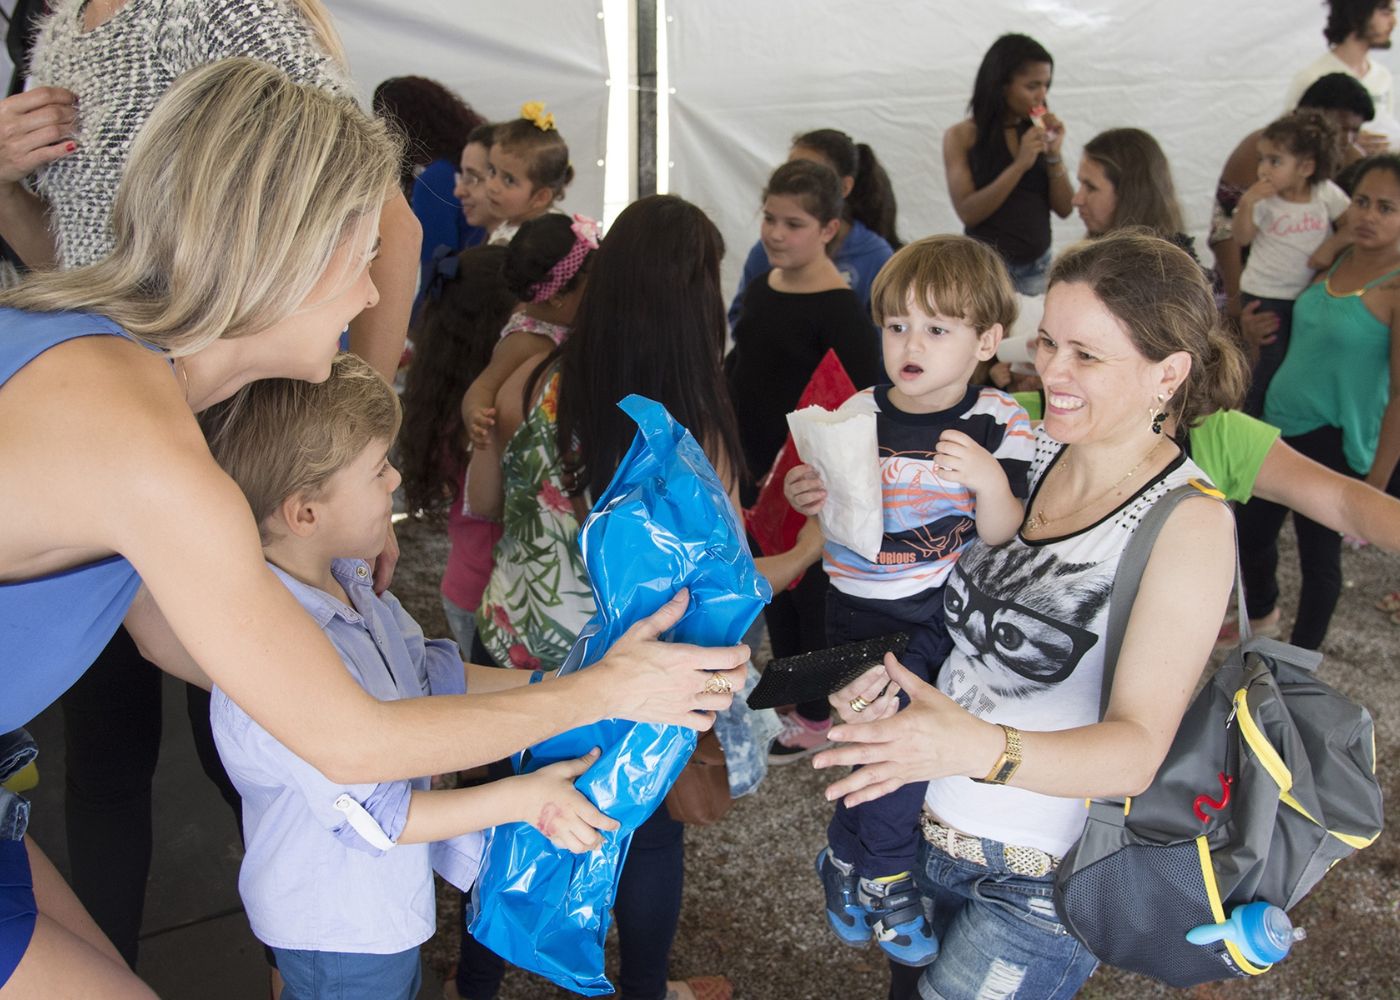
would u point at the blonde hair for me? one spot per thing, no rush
(280, 437)
(1164, 302)
(953, 275)
(237, 193)
(318, 18)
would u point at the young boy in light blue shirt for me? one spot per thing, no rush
(337, 879)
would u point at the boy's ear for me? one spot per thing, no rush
(300, 515)
(988, 341)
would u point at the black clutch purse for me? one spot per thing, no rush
(810, 676)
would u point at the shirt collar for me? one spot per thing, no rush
(354, 575)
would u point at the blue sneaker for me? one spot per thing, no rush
(894, 912)
(843, 909)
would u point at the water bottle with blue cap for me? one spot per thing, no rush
(1262, 932)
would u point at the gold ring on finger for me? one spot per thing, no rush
(859, 704)
(718, 684)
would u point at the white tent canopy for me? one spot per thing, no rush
(744, 77)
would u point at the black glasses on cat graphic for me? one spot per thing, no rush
(1032, 644)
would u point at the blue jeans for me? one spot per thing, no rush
(998, 933)
(338, 975)
(463, 625)
(1030, 277)
(1270, 355)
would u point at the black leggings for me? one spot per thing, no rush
(1319, 548)
(796, 621)
(111, 735)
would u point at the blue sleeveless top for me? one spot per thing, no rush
(53, 627)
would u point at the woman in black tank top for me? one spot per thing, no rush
(1003, 162)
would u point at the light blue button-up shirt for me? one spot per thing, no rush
(321, 872)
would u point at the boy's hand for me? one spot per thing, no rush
(804, 490)
(483, 421)
(960, 459)
(552, 805)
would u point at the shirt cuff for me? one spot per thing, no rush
(373, 826)
(443, 662)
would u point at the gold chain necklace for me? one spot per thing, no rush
(1039, 519)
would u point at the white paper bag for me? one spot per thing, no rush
(843, 448)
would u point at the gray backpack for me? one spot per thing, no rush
(1269, 783)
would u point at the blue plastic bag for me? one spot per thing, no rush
(664, 522)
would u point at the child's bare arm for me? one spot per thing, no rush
(479, 402)
(1243, 224)
(546, 799)
(962, 460)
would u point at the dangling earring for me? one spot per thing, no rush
(1159, 413)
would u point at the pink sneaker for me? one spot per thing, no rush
(799, 738)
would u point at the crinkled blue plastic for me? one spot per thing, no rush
(664, 523)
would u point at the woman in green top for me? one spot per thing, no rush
(1335, 399)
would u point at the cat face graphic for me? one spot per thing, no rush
(1034, 637)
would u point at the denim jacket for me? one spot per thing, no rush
(17, 749)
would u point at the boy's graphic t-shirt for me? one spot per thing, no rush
(1288, 233)
(928, 519)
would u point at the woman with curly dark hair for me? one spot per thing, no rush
(435, 123)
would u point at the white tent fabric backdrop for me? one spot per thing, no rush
(496, 56)
(747, 76)
(1198, 74)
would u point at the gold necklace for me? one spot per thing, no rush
(1039, 519)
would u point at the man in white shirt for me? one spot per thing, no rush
(1354, 28)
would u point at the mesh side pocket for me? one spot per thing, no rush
(1133, 908)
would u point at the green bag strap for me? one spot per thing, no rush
(1128, 578)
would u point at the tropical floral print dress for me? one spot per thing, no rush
(538, 598)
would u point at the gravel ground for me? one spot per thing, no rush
(753, 908)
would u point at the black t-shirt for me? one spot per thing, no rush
(1020, 227)
(779, 340)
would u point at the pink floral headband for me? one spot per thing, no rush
(586, 233)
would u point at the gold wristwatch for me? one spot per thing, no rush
(1009, 760)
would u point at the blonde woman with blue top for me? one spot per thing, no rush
(99, 490)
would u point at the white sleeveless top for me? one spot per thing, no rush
(1027, 620)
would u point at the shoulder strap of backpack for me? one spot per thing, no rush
(1128, 578)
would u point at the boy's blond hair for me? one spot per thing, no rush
(279, 437)
(952, 275)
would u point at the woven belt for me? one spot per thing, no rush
(1029, 861)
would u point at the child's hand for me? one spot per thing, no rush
(1258, 191)
(804, 490)
(960, 459)
(552, 805)
(483, 421)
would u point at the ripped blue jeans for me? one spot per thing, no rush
(998, 933)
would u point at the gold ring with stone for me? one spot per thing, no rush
(718, 684)
(859, 704)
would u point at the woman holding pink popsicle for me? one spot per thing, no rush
(1003, 162)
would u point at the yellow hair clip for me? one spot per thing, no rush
(534, 112)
